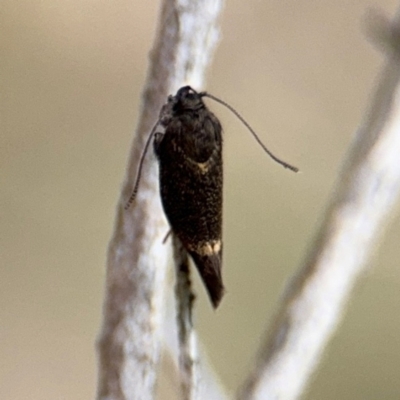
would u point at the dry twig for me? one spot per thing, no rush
(188, 356)
(366, 192)
(137, 260)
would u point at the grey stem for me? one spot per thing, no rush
(129, 341)
(367, 190)
(187, 343)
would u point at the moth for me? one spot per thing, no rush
(188, 145)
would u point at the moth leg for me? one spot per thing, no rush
(158, 138)
(167, 236)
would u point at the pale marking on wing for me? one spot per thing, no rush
(207, 248)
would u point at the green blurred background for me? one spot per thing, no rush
(72, 73)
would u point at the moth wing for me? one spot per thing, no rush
(209, 267)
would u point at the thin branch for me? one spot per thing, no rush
(129, 341)
(188, 357)
(209, 386)
(366, 192)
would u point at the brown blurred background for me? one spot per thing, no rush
(72, 73)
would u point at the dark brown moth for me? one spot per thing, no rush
(188, 145)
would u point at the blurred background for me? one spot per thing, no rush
(72, 74)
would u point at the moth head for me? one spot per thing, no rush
(187, 99)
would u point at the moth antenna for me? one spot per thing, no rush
(139, 173)
(244, 122)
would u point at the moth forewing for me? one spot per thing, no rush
(190, 164)
(188, 145)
